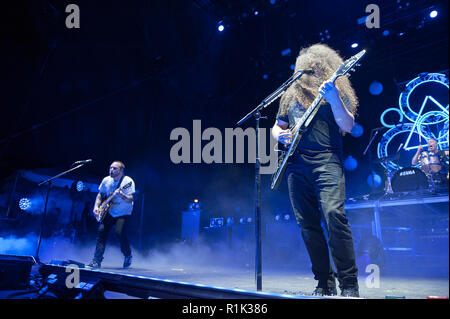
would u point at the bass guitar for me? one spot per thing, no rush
(105, 206)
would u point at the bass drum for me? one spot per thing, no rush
(409, 179)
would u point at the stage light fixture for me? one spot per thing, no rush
(433, 14)
(196, 204)
(278, 217)
(220, 27)
(287, 217)
(355, 45)
(242, 220)
(216, 222)
(80, 186)
(324, 35)
(25, 204)
(386, 33)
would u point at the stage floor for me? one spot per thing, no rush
(286, 282)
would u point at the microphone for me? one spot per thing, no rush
(82, 162)
(297, 75)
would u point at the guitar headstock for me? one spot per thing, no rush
(349, 64)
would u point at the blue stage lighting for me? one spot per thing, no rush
(357, 130)
(376, 88)
(355, 45)
(195, 204)
(278, 217)
(25, 204)
(287, 217)
(286, 52)
(80, 186)
(386, 33)
(433, 14)
(374, 180)
(350, 163)
(220, 28)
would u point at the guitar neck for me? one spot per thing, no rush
(311, 108)
(110, 197)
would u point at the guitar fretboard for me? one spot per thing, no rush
(311, 109)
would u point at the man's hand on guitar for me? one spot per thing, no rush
(285, 137)
(120, 193)
(329, 91)
(96, 210)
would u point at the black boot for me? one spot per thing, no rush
(127, 261)
(326, 287)
(350, 292)
(95, 263)
(325, 291)
(349, 288)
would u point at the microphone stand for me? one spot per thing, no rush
(376, 224)
(49, 186)
(256, 113)
(372, 138)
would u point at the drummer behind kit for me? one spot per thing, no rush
(433, 173)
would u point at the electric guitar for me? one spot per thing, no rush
(304, 121)
(105, 206)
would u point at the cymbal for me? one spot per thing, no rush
(387, 159)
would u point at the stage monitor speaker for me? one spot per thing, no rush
(15, 271)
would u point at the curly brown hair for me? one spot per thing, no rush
(324, 61)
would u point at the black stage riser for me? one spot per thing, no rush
(144, 287)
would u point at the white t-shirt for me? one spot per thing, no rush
(119, 207)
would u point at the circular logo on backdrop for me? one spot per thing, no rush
(422, 114)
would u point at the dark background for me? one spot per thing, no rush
(115, 88)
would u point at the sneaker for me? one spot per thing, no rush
(127, 261)
(95, 264)
(350, 292)
(325, 291)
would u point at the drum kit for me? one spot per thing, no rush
(432, 175)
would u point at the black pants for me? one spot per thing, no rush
(103, 230)
(317, 193)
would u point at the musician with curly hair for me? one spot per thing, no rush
(315, 174)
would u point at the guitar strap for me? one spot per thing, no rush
(120, 182)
